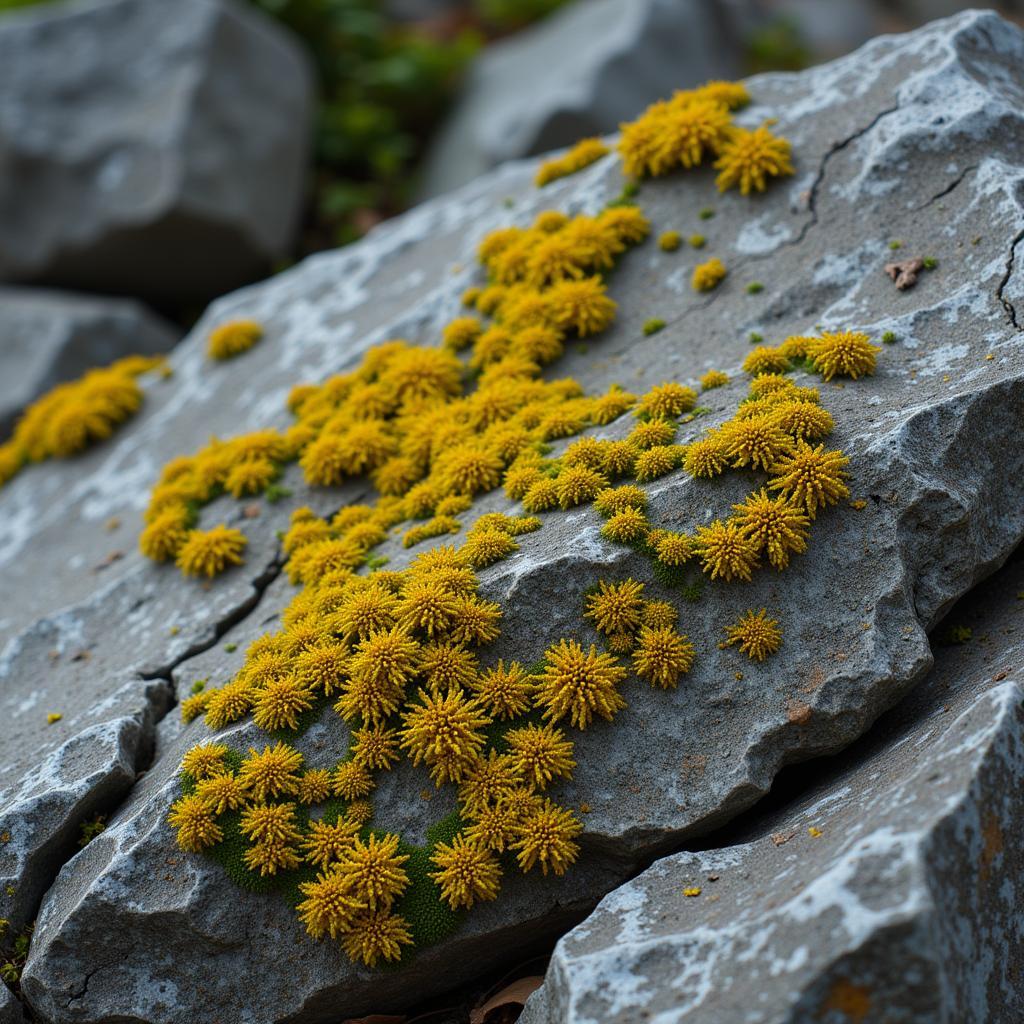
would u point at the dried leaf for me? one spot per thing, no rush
(905, 272)
(511, 995)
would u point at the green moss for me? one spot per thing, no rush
(231, 648)
(707, 213)
(889, 337)
(652, 326)
(895, 244)
(754, 288)
(930, 262)
(430, 918)
(275, 492)
(754, 338)
(697, 241)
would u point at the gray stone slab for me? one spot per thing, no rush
(150, 148)
(911, 138)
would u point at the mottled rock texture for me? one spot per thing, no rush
(149, 148)
(10, 1008)
(579, 73)
(47, 337)
(906, 907)
(913, 138)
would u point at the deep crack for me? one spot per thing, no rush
(1007, 305)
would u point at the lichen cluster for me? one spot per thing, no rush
(75, 415)
(233, 338)
(401, 657)
(696, 125)
(583, 154)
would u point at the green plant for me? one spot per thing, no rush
(512, 14)
(382, 88)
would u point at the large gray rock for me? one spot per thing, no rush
(47, 337)
(149, 148)
(10, 1008)
(906, 907)
(912, 138)
(578, 73)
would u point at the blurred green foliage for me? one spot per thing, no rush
(508, 15)
(9, 5)
(777, 45)
(383, 88)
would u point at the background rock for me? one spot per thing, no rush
(10, 1008)
(149, 148)
(578, 73)
(906, 907)
(912, 138)
(47, 337)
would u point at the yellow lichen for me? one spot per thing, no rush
(583, 154)
(708, 275)
(757, 635)
(233, 338)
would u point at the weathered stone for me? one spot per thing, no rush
(48, 788)
(912, 138)
(578, 73)
(47, 337)
(906, 907)
(10, 1008)
(149, 148)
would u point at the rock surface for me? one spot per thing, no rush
(10, 1008)
(911, 138)
(47, 337)
(149, 148)
(578, 73)
(906, 906)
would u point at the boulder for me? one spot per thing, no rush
(10, 1008)
(909, 139)
(149, 148)
(578, 73)
(47, 337)
(888, 890)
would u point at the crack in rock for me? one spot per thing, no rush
(1011, 311)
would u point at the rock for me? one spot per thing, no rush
(10, 1008)
(47, 337)
(910, 138)
(148, 148)
(49, 788)
(578, 73)
(890, 890)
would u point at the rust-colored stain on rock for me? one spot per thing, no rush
(853, 1001)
